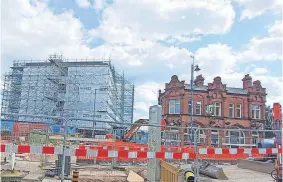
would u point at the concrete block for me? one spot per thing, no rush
(134, 177)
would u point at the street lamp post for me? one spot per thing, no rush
(193, 69)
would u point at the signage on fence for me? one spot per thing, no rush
(60, 129)
(7, 126)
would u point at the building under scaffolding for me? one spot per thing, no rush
(89, 89)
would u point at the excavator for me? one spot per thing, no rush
(133, 135)
(129, 135)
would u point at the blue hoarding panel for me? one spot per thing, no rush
(60, 129)
(55, 128)
(7, 125)
(71, 130)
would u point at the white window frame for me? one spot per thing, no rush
(239, 108)
(255, 137)
(254, 112)
(231, 106)
(212, 108)
(201, 136)
(241, 136)
(174, 103)
(215, 132)
(198, 103)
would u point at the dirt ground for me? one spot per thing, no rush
(236, 174)
(106, 174)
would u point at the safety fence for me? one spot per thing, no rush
(211, 143)
(203, 153)
(46, 143)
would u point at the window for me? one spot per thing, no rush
(174, 107)
(190, 107)
(235, 137)
(215, 138)
(198, 108)
(255, 112)
(231, 110)
(239, 111)
(255, 137)
(214, 109)
(200, 135)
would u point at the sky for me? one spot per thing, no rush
(151, 40)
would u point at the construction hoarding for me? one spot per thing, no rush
(24, 128)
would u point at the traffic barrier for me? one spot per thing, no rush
(122, 155)
(75, 176)
(189, 176)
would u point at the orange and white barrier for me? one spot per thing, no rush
(106, 154)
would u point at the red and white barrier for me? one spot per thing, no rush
(131, 154)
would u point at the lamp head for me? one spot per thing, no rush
(197, 68)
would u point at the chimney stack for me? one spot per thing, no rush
(247, 81)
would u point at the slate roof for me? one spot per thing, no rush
(230, 90)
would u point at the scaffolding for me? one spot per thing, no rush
(71, 88)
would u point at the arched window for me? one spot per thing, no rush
(255, 138)
(171, 136)
(189, 134)
(235, 136)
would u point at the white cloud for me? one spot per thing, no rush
(276, 29)
(148, 91)
(99, 4)
(33, 31)
(216, 58)
(146, 95)
(83, 3)
(266, 48)
(161, 19)
(257, 71)
(254, 8)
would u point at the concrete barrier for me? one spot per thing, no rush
(258, 166)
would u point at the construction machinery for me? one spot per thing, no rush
(133, 131)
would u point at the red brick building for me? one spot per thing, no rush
(216, 106)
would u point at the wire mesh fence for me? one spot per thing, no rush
(115, 154)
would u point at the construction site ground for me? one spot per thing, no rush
(236, 174)
(95, 173)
